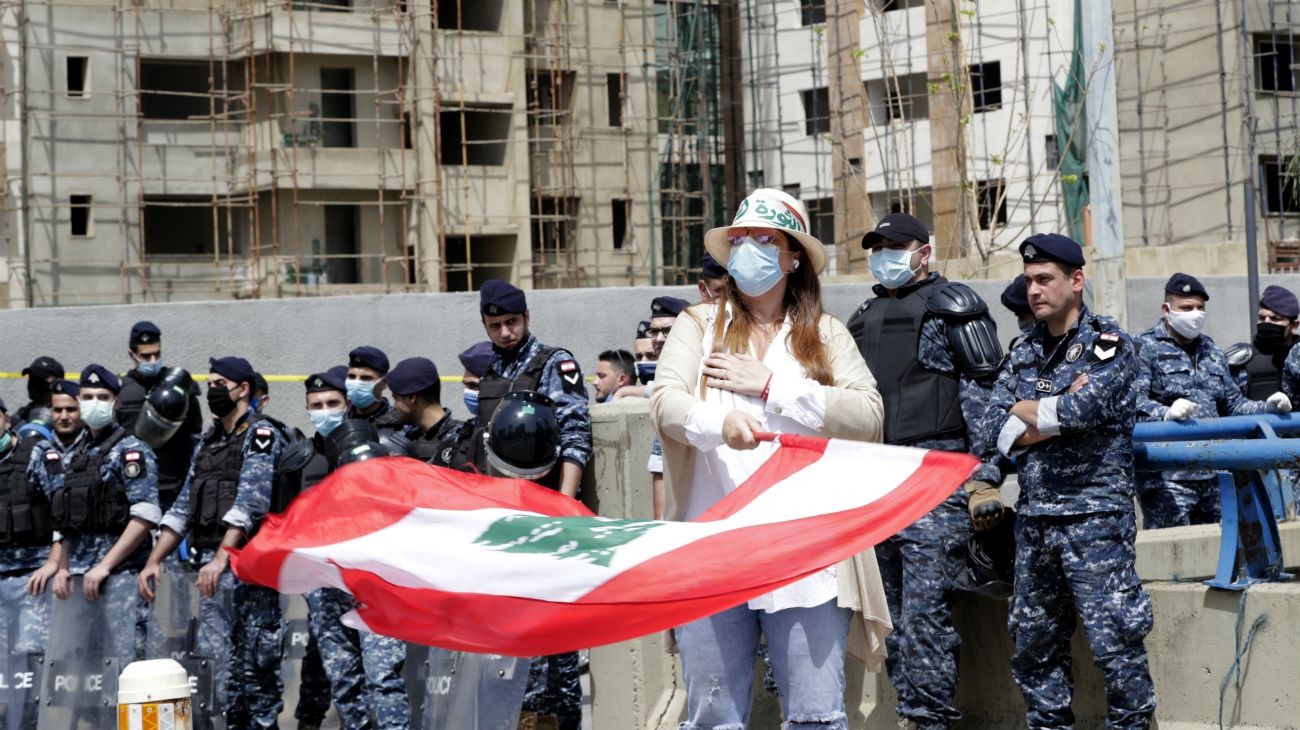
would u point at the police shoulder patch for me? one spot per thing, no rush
(570, 374)
(1105, 347)
(132, 455)
(262, 441)
(132, 469)
(53, 463)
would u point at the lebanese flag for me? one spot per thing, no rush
(503, 566)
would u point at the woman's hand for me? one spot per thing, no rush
(738, 431)
(737, 373)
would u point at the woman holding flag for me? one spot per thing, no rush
(765, 358)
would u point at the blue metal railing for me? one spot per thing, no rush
(1256, 494)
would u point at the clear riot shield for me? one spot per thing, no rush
(24, 631)
(89, 645)
(173, 633)
(469, 691)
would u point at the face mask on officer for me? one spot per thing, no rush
(1270, 338)
(37, 389)
(893, 268)
(96, 414)
(325, 421)
(220, 401)
(471, 401)
(6, 440)
(149, 369)
(1187, 324)
(645, 371)
(361, 393)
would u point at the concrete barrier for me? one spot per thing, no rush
(1198, 632)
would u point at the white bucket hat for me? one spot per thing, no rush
(768, 208)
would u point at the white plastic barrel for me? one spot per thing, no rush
(154, 695)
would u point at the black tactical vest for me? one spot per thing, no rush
(85, 504)
(471, 448)
(919, 403)
(216, 483)
(1263, 376)
(24, 510)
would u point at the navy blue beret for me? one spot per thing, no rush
(1280, 300)
(144, 332)
(63, 386)
(98, 376)
(339, 373)
(328, 380)
(667, 306)
(711, 269)
(476, 357)
(1016, 296)
(1185, 285)
(1051, 247)
(643, 329)
(498, 297)
(232, 368)
(368, 357)
(412, 375)
(43, 367)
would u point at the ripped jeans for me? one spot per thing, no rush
(807, 651)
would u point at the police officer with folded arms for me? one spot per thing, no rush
(226, 495)
(144, 347)
(1063, 407)
(1182, 374)
(933, 348)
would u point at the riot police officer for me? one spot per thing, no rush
(417, 399)
(144, 347)
(933, 348)
(364, 669)
(475, 361)
(41, 376)
(521, 362)
(367, 367)
(1063, 407)
(1258, 366)
(103, 496)
(1183, 374)
(25, 535)
(226, 495)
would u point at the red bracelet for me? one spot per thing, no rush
(767, 388)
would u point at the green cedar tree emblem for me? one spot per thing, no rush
(585, 539)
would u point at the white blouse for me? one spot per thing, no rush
(796, 404)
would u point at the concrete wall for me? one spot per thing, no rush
(302, 336)
(1198, 632)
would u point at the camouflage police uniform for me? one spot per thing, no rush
(1291, 373)
(24, 622)
(130, 463)
(1076, 525)
(554, 685)
(1199, 373)
(919, 565)
(241, 627)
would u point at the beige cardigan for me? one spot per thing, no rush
(853, 411)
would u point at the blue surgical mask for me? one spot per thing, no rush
(326, 421)
(645, 371)
(361, 393)
(755, 267)
(96, 413)
(893, 268)
(6, 441)
(471, 402)
(149, 369)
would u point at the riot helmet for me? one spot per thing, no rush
(165, 408)
(991, 560)
(523, 438)
(363, 452)
(350, 434)
(39, 425)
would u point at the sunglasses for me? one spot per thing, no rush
(763, 237)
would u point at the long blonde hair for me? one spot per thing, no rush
(803, 304)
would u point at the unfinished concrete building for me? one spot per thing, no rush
(181, 150)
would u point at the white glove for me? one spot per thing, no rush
(1182, 409)
(1278, 403)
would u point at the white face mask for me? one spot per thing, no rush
(1187, 324)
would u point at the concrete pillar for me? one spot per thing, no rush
(853, 215)
(950, 105)
(427, 225)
